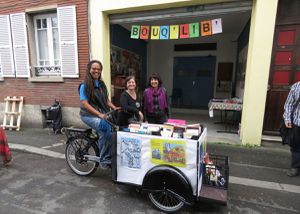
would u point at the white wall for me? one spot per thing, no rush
(161, 53)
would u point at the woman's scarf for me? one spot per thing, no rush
(4, 149)
(148, 99)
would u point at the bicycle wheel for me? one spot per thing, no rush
(75, 151)
(165, 201)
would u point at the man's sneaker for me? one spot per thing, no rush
(292, 172)
(105, 166)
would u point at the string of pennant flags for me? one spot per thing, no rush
(181, 31)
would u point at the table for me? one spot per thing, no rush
(226, 106)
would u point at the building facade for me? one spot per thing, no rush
(44, 49)
(255, 58)
(259, 44)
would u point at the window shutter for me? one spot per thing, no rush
(20, 46)
(68, 41)
(0, 67)
(6, 54)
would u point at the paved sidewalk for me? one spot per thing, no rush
(44, 141)
(243, 160)
(40, 141)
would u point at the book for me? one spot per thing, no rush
(167, 130)
(134, 127)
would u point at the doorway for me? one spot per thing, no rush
(285, 70)
(194, 77)
(195, 86)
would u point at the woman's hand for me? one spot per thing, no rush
(100, 115)
(141, 116)
(117, 108)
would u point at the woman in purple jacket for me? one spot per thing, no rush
(155, 101)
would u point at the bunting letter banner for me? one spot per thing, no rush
(144, 32)
(194, 30)
(206, 28)
(135, 32)
(155, 32)
(164, 32)
(184, 31)
(216, 25)
(174, 31)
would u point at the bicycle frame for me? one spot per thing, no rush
(73, 133)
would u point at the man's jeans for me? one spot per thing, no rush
(295, 162)
(104, 132)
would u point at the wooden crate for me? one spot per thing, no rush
(13, 112)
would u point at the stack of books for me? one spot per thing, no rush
(192, 130)
(167, 129)
(181, 131)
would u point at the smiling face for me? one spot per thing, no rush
(154, 83)
(96, 70)
(131, 84)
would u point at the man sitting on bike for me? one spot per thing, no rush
(94, 104)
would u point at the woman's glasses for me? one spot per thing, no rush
(96, 69)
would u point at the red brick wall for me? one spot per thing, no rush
(40, 93)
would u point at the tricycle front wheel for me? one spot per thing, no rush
(75, 151)
(165, 201)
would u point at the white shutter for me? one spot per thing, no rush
(68, 41)
(20, 46)
(0, 67)
(6, 54)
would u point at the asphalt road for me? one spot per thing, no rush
(39, 184)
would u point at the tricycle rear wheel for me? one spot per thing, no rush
(165, 201)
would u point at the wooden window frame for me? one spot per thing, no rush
(52, 68)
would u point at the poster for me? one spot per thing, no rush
(131, 152)
(171, 152)
(124, 62)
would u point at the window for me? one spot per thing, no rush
(47, 44)
(49, 36)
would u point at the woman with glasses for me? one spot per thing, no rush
(94, 103)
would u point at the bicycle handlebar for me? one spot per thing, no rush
(108, 117)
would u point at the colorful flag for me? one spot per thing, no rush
(164, 32)
(155, 32)
(144, 32)
(135, 32)
(206, 28)
(174, 31)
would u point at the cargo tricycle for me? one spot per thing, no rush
(173, 172)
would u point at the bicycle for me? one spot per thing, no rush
(82, 150)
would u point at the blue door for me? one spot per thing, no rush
(193, 81)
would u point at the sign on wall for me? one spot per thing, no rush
(181, 31)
